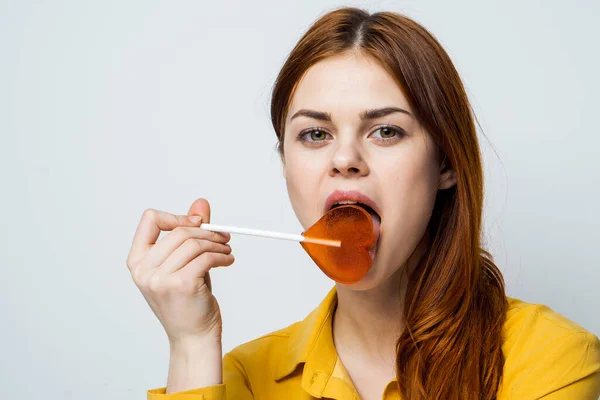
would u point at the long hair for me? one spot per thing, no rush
(455, 304)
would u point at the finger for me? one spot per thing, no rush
(196, 269)
(189, 250)
(149, 228)
(161, 251)
(202, 207)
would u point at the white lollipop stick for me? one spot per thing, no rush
(270, 234)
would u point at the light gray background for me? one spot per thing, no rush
(108, 108)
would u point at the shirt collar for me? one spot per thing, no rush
(311, 344)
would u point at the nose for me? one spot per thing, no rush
(347, 161)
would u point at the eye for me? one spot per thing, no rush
(387, 133)
(313, 135)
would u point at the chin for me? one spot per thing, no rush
(373, 279)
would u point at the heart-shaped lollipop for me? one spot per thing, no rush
(339, 242)
(353, 226)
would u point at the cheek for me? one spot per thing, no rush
(302, 181)
(416, 183)
(410, 194)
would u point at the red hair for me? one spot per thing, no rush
(455, 303)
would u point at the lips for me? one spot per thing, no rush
(363, 200)
(350, 195)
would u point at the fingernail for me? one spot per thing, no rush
(195, 219)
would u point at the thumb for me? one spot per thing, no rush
(202, 208)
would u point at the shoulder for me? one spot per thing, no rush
(537, 326)
(521, 314)
(265, 345)
(262, 357)
(545, 351)
(277, 353)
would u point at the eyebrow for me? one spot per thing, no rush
(368, 114)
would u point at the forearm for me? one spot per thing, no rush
(195, 365)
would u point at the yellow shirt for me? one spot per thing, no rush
(547, 357)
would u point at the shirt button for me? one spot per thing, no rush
(313, 378)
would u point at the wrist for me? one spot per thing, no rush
(195, 364)
(195, 344)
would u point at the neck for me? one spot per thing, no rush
(372, 320)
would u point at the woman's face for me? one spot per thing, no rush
(331, 143)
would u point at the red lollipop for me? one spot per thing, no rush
(341, 243)
(354, 227)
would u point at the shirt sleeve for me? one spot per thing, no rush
(570, 370)
(217, 392)
(234, 387)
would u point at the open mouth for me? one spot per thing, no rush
(366, 207)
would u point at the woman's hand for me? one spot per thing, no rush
(172, 273)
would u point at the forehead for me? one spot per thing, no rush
(347, 83)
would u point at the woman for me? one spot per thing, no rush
(370, 108)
